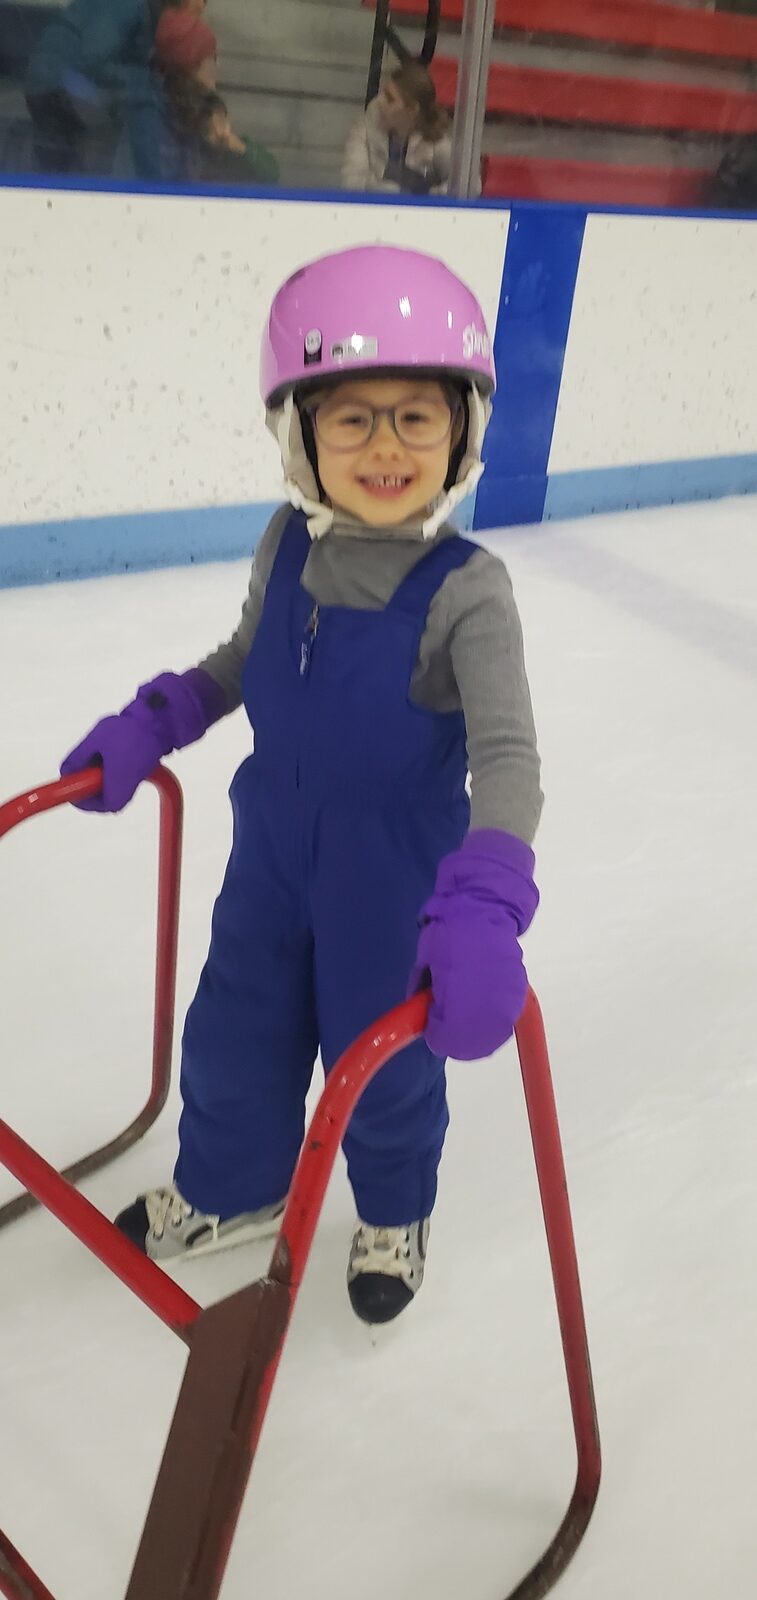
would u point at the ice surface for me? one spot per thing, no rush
(437, 1462)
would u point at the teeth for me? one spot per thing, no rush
(386, 481)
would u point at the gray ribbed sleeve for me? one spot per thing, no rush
(226, 664)
(471, 656)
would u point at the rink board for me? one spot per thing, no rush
(130, 325)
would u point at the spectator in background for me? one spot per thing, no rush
(164, 123)
(186, 50)
(401, 144)
(88, 65)
(186, 59)
(734, 186)
(224, 156)
(199, 142)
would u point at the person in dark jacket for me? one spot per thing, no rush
(157, 104)
(224, 156)
(198, 142)
(90, 64)
(163, 124)
(734, 186)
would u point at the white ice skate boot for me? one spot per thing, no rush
(162, 1224)
(385, 1270)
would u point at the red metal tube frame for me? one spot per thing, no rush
(80, 786)
(188, 1535)
(299, 1223)
(236, 1346)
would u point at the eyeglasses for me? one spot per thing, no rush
(347, 425)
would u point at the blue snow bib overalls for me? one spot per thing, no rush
(341, 816)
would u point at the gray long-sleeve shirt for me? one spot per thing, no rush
(470, 656)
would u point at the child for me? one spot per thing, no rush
(185, 49)
(373, 644)
(225, 157)
(402, 140)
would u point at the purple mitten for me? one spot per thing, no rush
(172, 711)
(485, 897)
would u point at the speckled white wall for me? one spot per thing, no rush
(661, 360)
(129, 332)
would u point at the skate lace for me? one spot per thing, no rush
(384, 1250)
(168, 1208)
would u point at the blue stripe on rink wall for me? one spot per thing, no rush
(654, 483)
(536, 300)
(45, 552)
(96, 547)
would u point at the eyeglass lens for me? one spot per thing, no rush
(348, 425)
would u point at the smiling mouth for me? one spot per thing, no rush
(385, 483)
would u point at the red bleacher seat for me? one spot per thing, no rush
(673, 29)
(594, 182)
(557, 98)
(533, 94)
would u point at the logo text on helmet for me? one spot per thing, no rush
(355, 348)
(475, 342)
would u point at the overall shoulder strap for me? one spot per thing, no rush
(293, 551)
(417, 590)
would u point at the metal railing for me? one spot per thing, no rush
(384, 33)
(81, 786)
(472, 79)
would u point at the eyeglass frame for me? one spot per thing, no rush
(312, 408)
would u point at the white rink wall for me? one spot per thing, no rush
(660, 370)
(129, 331)
(130, 328)
(661, 360)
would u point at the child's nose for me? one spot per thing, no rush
(385, 436)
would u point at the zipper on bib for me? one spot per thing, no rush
(308, 643)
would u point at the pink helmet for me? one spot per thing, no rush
(369, 309)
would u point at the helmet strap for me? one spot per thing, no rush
(293, 430)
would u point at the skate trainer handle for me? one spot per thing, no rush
(235, 1346)
(82, 786)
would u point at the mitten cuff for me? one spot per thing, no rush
(492, 866)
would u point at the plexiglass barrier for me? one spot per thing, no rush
(632, 102)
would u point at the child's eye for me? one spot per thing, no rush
(423, 424)
(343, 426)
(342, 419)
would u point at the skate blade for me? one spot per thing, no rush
(251, 1233)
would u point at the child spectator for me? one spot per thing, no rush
(401, 143)
(224, 156)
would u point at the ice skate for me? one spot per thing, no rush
(385, 1269)
(163, 1225)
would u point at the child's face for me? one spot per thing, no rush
(207, 73)
(394, 113)
(383, 480)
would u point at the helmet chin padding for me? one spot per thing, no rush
(292, 427)
(374, 310)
